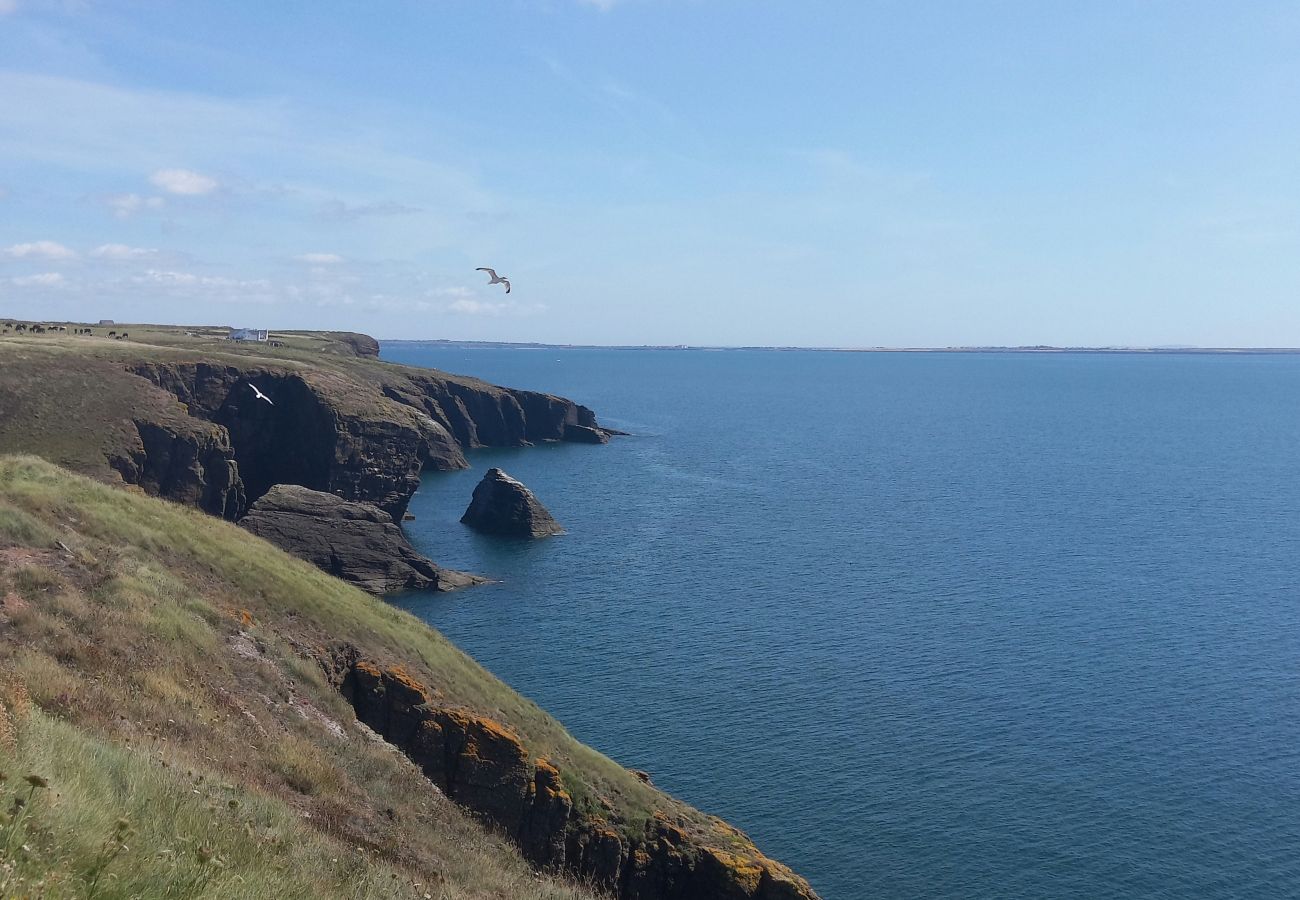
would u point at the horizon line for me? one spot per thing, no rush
(961, 348)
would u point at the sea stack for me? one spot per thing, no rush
(505, 507)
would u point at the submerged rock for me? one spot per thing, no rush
(357, 542)
(587, 434)
(503, 506)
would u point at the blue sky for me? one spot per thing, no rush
(659, 171)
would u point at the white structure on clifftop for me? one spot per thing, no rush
(248, 334)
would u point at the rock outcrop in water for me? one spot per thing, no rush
(504, 506)
(353, 541)
(487, 768)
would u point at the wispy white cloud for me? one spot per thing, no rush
(122, 252)
(602, 5)
(468, 306)
(126, 205)
(39, 250)
(168, 278)
(320, 259)
(43, 280)
(184, 181)
(8, 7)
(338, 209)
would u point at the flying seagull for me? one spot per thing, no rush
(496, 279)
(260, 395)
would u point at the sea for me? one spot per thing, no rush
(1007, 625)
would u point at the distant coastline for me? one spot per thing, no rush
(511, 345)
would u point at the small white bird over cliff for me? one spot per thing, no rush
(260, 395)
(496, 279)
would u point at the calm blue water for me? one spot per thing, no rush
(923, 625)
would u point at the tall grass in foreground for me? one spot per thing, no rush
(179, 744)
(106, 822)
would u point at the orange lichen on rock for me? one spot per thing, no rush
(744, 873)
(547, 777)
(399, 674)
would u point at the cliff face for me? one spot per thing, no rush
(358, 438)
(486, 768)
(187, 461)
(301, 436)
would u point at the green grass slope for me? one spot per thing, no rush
(153, 681)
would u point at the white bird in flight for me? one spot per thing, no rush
(496, 279)
(260, 395)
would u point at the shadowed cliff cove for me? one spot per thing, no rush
(932, 625)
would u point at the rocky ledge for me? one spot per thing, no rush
(356, 542)
(484, 766)
(504, 506)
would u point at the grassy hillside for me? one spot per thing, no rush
(153, 680)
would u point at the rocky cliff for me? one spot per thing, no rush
(363, 435)
(487, 768)
(320, 430)
(353, 541)
(186, 461)
(479, 414)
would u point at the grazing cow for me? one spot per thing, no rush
(112, 334)
(125, 335)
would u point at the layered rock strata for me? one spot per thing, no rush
(503, 506)
(356, 542)
(487, 768)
